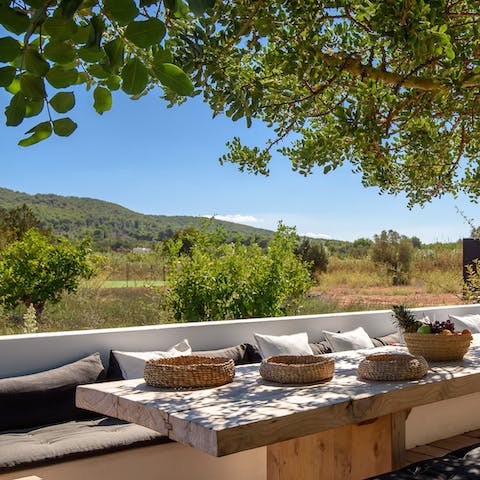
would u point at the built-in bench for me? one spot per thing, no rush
(86, 447)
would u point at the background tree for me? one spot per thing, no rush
(389, 87)
(314, 254)
(218, 281)
(15, 222)
(36, 270)
(394, 252)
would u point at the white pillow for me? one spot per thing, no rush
(470, 322)
(132, 364)
(351, 340)
(270, 345)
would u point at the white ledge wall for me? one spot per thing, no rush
(23, 354)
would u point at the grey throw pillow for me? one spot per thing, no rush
(47, 397)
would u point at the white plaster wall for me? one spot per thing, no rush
(444, 419)
(23, 354)
(170, 461)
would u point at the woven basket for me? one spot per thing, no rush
(392, 367)
(189, 372)
(437, 347)
(297, 368)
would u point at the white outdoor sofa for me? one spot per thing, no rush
(156, 458)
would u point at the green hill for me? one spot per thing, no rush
(111, 225)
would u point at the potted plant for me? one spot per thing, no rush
(435, 341)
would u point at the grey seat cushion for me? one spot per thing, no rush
(53, 443)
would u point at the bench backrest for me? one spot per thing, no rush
(23, 354)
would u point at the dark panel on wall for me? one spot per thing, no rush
(471, 251)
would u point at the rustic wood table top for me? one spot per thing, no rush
(251, 412)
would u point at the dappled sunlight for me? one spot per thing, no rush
(250, 399)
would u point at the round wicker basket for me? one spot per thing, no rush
(392, 367)
(437, 347)
(297, 368)
(189, 372)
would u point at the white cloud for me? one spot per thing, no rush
(236, 218)
(316, 235)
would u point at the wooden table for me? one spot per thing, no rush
(347, 428)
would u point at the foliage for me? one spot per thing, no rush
(314, 254)
(471, 286)
(389, 87)
(359, 248)
(405, 319)
(36, 270)
(15, 222)
(394, 252)
(416, 242)
(217, 281)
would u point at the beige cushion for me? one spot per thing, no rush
(355, 339)
(132, 364)
(270, 345)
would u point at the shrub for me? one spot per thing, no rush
(223, 281)
(394, 252)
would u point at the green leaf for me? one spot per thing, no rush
(9, 49)
(59, 77)
(122, 11)
(134, 77)
(32, 87)
(15, 112)
(102, 100)
(147, 3)
(169, 4)
(163, 56)
(198, 7)
(173, 77)
(113, 82)
(91, 54)
(34, 107)
(14, 87)
(115, 53)
(7, 74)
(69, 7)
(63, 102)
(181, 9)
(82, 35)
(60, 28)
(449, 52)
(98, 71)
(96, 29)
(82, 78)
(144, 34)
(13, 20)
(40, 132)
(35, 63)
(59, 52)
(63, 127)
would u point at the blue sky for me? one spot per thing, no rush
(165, 161)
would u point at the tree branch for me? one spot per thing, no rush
(357, 68)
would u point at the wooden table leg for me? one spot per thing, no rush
(352, 452)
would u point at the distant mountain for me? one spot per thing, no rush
(111, 225)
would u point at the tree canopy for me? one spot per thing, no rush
(390, 87)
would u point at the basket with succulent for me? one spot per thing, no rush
(436, 341)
